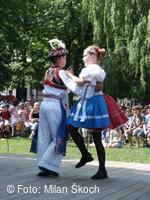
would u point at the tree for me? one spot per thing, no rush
(123, 28)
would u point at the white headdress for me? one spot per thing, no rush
(58, 48)
(55, 43)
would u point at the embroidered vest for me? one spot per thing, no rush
(52, 78)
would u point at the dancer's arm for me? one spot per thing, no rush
(78, 80)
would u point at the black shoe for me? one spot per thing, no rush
(47, 172)
(43, 174)
(127, 141)
(100, 175)
(83, 161)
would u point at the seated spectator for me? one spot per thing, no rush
(144, 134)
(136, 124)
(14, 118)
(34, 118)
(21, 120)
(5, 117)
(126, 126)
(116, 138)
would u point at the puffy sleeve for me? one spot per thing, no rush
(93, 74)
(72, 86)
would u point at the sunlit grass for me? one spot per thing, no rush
(21, 146)
(16, 146)
(125, 154)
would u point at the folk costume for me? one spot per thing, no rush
(52, 132)
(94, 110)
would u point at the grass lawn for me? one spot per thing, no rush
(126, 154)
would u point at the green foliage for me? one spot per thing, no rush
(28, 27)
(122, 27)
(5, 58)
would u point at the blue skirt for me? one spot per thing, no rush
(91, 113)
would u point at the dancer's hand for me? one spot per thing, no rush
(69, 74)
(70, 70)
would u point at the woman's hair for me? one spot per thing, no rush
(95, 50)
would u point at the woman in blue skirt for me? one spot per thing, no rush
(90, 111)
(94, 110)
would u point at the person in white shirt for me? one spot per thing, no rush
(52, 134)
(91, 111)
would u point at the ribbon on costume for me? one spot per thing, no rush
(81, 106)
(33, 148)
(62, 133)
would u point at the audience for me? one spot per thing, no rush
(15, 117)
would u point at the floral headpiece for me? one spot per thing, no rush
(58, 48)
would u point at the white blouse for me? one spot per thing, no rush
(93, 73)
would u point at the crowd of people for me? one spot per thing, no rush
(16, 118)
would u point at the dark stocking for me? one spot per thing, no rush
(77, 138)
(102, 173)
